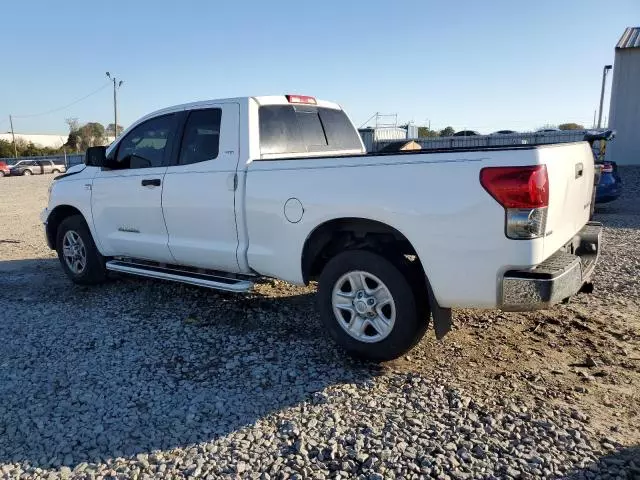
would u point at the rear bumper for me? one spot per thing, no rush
(559, 277)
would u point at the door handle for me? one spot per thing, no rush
(151, 182)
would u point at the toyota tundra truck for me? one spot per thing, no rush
(221, 193)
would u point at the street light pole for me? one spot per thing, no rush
(116, 85)
(605, 70)
(13, 136)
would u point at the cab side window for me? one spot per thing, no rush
(201, 138)
(147, 145)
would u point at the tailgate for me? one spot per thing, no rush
(571, 176)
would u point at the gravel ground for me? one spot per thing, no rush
(142, 379)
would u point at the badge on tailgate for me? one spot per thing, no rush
(579, 169)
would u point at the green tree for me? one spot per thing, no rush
(90, 135)
(31, 150)
(424, 132)
(109, 131)
(570, 126)
(6, 149)
(73, 141)
(447, 132)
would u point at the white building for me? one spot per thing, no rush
(53, 141)
(624, 112)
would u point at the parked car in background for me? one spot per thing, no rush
(543, 130)
(36, 167)
(466, 133)
(49, 166)
(4, 170)
(504, 132)
(26, 167)
(610, 185)
(608, 181)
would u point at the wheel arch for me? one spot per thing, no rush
(339, 234)
(56, 217)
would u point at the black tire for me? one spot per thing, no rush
(1, 173)
(54, 171)
(27, 172)
(94, 271)
(410, 319)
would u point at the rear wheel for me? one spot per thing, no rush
(77, 252)
(368, 306)
(54, 171)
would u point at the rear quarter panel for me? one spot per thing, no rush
(435, 200)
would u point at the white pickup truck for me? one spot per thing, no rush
(219, 193)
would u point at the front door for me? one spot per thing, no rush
(126, 201)
(199, 189)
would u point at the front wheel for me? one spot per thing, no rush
(27, 172)
(77, 252)
(368, 306)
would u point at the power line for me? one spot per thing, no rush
(64, 106)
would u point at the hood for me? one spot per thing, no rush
(72, 171)
(76, 168)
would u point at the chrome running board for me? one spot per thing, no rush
(175, 273)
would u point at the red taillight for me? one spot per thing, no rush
(606, 167)
(301, 99)
(517, 187)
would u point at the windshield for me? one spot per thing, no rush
(289, 129)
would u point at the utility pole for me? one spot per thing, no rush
(116, 85)
(13, 136)
(605, 70)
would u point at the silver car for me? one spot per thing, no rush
(49, 166)
(36, 167)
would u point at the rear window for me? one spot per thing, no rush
(302, 129)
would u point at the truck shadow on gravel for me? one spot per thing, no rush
(133, 367)
(624, 463)
(88, 374)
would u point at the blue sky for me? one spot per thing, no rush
(482, 65)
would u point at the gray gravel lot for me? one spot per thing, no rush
(142, 379)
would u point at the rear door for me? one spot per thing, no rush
(571, 175)
(126, 201)
(199, 189)
(47, 166)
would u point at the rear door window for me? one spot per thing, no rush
(201, 138)
(288, 129)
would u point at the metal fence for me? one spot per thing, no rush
(479, 141)
(67, 160)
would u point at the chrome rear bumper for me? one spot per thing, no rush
(558, 277)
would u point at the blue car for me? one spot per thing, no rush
(610, 185)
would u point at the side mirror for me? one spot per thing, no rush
(95, 156)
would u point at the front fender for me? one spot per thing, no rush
(71, 194)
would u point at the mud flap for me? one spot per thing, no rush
(442, 318)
